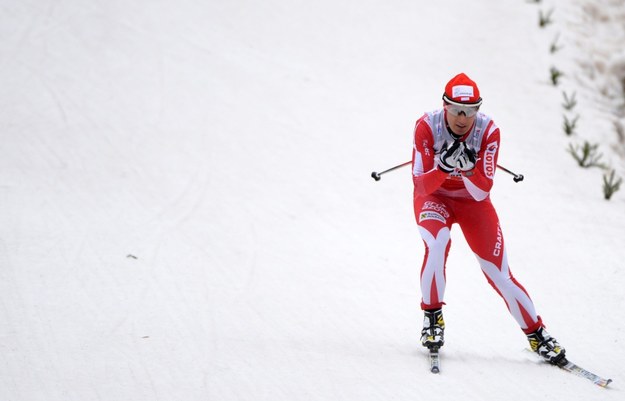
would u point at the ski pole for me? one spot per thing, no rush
(378, 176)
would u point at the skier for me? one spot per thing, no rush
(454, 158)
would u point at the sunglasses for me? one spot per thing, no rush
(455, 110)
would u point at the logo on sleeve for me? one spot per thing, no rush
(489, 160)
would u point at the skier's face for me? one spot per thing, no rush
(459, 122)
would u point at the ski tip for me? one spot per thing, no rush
(435, 370)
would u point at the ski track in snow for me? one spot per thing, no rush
(187, 212)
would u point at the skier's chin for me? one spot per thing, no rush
(461, 130)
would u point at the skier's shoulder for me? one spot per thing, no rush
(487, 124)
(430, 119)
(425, 123)
(483, 117)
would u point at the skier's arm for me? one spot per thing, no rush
(425, 176)
(479, 181)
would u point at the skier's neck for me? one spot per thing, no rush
(453, 134)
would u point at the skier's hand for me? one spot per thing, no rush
(448, 157)
(466, 160)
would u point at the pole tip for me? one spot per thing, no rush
(375, 176)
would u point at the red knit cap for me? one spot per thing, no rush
(462, 90)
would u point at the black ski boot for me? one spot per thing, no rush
(547, 347)
(433, 333)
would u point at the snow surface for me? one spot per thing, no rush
(187, 212)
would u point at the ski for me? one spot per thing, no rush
(581, 372)
(576, 370)
(435, 363)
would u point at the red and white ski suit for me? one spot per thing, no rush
(442, 199)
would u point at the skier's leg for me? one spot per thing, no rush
(483, 233)
(434, 220)
(481, 229)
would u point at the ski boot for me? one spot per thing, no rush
(547, 347)
(432, 335)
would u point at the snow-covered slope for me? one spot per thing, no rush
(187, 213)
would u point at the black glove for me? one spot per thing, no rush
(466, 160)
(448, 157)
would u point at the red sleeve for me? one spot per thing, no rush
(479, 181)
(425, 176)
